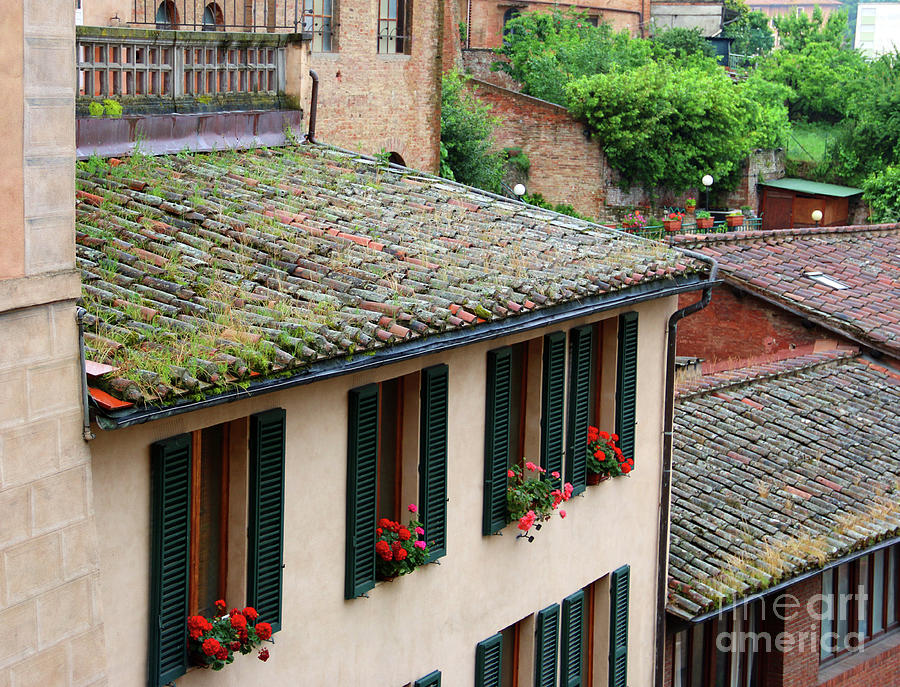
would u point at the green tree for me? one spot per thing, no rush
(749, 29)
(796, 31)
(881, 190)
(467, 137)
(664, 124)
(547, 50)
(681, 42)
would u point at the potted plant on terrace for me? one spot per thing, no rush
(672, 221)
(690, 204)
(399, 550)
(212, 643)
(532, 500)
(735, 218)
(604, 458)
(704, 220)
(633, 220)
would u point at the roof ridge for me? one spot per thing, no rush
(691, 240)
(755, 371)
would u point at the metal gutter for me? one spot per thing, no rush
(419, 347)
(792, 581)
(86, 432)
(665, 491)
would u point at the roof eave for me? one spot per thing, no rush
(487, 331)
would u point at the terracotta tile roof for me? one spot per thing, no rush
(778, 468)
(772, 264)
(202, 271)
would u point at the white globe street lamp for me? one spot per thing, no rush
(707, 181)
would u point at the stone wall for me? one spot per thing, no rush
(761, 165)
(49, 592)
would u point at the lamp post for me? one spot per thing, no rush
(817, 216)
(707, 181)
(519, 190)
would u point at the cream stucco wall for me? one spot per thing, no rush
(433, 618)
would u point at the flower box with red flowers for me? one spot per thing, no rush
(604, 458)
(399, 550)
(672, 221)
(531, 498)
(213, 643)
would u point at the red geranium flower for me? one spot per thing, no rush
(385, 523)
(197, 625)
(220, 606)
(264, 655)
(238, 621)
(263, 631)
(222, 653)
(383, 549)
(211, 646)
(251, 613)
(403, 534)
(400, 554)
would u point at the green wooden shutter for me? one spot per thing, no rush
(433, 679)
(433, 458)
(545, 646)
(170, 560)
(626, 382)
(496, 439)
(571, 664)
(362, 456)
(553, 404)
(489, 662)
(581, 351)
(265, 533)
(618, 627)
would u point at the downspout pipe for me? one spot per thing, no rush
(86, 432)
(665, 488)
(313, 106)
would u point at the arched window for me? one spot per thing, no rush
(396, 159)
(511, 13)
(213, 19)
(166, 15)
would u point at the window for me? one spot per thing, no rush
(433, 679)
(213, 19)
(166, 16)
(567, 369)
(318, 19)
(508, 16)
(192, 474)
(859, 601)
(394, 26)
(722, 651)
(397, 454)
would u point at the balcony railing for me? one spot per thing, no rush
(219, 15)
(175, 71)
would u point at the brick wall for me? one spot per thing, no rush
(370, 102)
(477, 63)
(49, 570)
(738, 325)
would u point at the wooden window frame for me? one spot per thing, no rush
(402, 29)
(196, 486)
(396, 461)
(324, 20)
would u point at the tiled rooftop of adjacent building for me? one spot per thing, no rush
(778, 468)
(203, 271)
(775, 265)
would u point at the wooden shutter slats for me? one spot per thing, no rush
(572, 640)
(626, 382)
(433, 458)
(545, 646)
(496, 451)
(170, 558)
(618, 629)
(553, 404)
(581, 354)
(266, 526)
(433, 679)
(489, 662)
(362, 455)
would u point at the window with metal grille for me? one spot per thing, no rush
(394, 26)
(318, 19)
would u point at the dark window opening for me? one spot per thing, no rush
(213, 18)
(166, 16)
(395, 158)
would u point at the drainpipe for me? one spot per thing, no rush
(666, 482)
(313, 106)
(86, 432)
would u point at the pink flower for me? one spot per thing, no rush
(526, 521)
(554, 474)
(420, 531)
(412, 508)
(567, 491)
(419, 544)
(531, 466)
(562, 513)
(510, 473)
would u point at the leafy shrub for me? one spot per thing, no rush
(683, 42)
(881, 190)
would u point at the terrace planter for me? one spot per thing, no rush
(735, 220)
(672, 224)
(705, 222)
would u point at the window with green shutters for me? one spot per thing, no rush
(546, 642)
(581, 352)
(179, 466)
(553, 404)
(496, 439)
(618, 627)
(433, 679)
(380, 436)
(626, 382)
(572, 640)
(489, 662)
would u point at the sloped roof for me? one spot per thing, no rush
(777, 469)
(772, 265)
(812, 187)
(204, 272)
